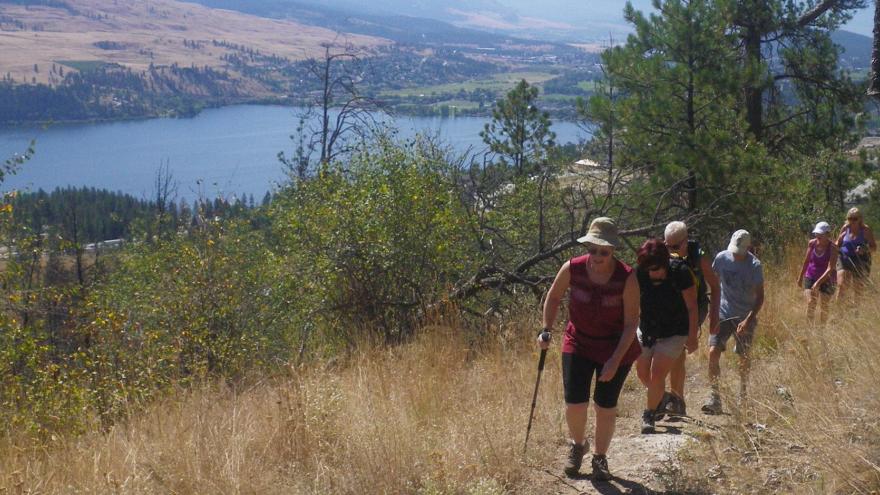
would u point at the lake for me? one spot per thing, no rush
(224, 151)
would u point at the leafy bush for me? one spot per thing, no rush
(187, 308)
(372, 242)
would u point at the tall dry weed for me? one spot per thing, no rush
(447, 413)
(440, 415)
(811, 420)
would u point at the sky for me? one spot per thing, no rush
(610, 12)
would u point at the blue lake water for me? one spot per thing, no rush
(224, 151)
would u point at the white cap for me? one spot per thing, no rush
(675, 231)
(822, 228)
(740, 242)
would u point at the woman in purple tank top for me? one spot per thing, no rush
(817, 275)
(856, 243)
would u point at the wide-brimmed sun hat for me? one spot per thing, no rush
(602, 232)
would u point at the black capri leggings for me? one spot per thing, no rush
(577, 375)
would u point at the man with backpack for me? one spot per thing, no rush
(708, 299)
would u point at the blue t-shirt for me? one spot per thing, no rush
(739, 279)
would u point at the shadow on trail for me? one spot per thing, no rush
(667, 430)
(619, 485)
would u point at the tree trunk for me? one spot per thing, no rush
(874, 88)
(754, 91)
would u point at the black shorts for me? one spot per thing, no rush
(577, 375)
(827, 287)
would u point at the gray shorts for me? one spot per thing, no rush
(671, 347)
(727, 329)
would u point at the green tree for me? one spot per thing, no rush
(787, 51)
(678, 112)
(687, 113)
(519, 132)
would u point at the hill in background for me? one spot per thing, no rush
(78, 34)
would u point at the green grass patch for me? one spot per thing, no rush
(587, 85)
(498, 82)
(560, 97)
(459, 104)
(83, 65)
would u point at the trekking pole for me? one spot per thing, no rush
(545, 337)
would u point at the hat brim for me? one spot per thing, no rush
(817, 232)
(598, 241)
(738, 251)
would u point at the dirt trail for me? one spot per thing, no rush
(638, 463)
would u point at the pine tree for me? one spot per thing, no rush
(679, 111)
(519, 133)
(710, 115)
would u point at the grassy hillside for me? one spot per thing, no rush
(36, 35)
(446, 414)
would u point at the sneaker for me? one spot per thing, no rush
(648, 421)
(713, 405)
(575, 458)
(675, 406)
(600, 468)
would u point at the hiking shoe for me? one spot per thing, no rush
(675, 406)
(661, 410)
(600, 468)
(648, 421)
(575, 458)
(713, 405)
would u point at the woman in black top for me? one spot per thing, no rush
(668, 322)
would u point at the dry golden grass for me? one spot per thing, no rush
(435, 416)
(811, 422)
(446, 415)
(148, 26)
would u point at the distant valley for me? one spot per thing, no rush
(89, 60)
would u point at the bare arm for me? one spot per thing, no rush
(805, 263)
(832, 267)
(869, 236)
(714, 296)
(759, 301)
(631, 308)
(554, 298)
(839, 241)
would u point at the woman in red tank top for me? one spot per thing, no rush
(599, 339)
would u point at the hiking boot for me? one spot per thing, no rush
(648, 421)
(600, 468)
(661, 410)
(713, 405)
(675, 406)
(575, 458)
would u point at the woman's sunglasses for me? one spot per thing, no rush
(603, 252)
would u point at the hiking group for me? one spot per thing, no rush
(650, 315)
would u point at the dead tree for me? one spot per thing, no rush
(340, 115)
(164, 197)
(874, 88)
